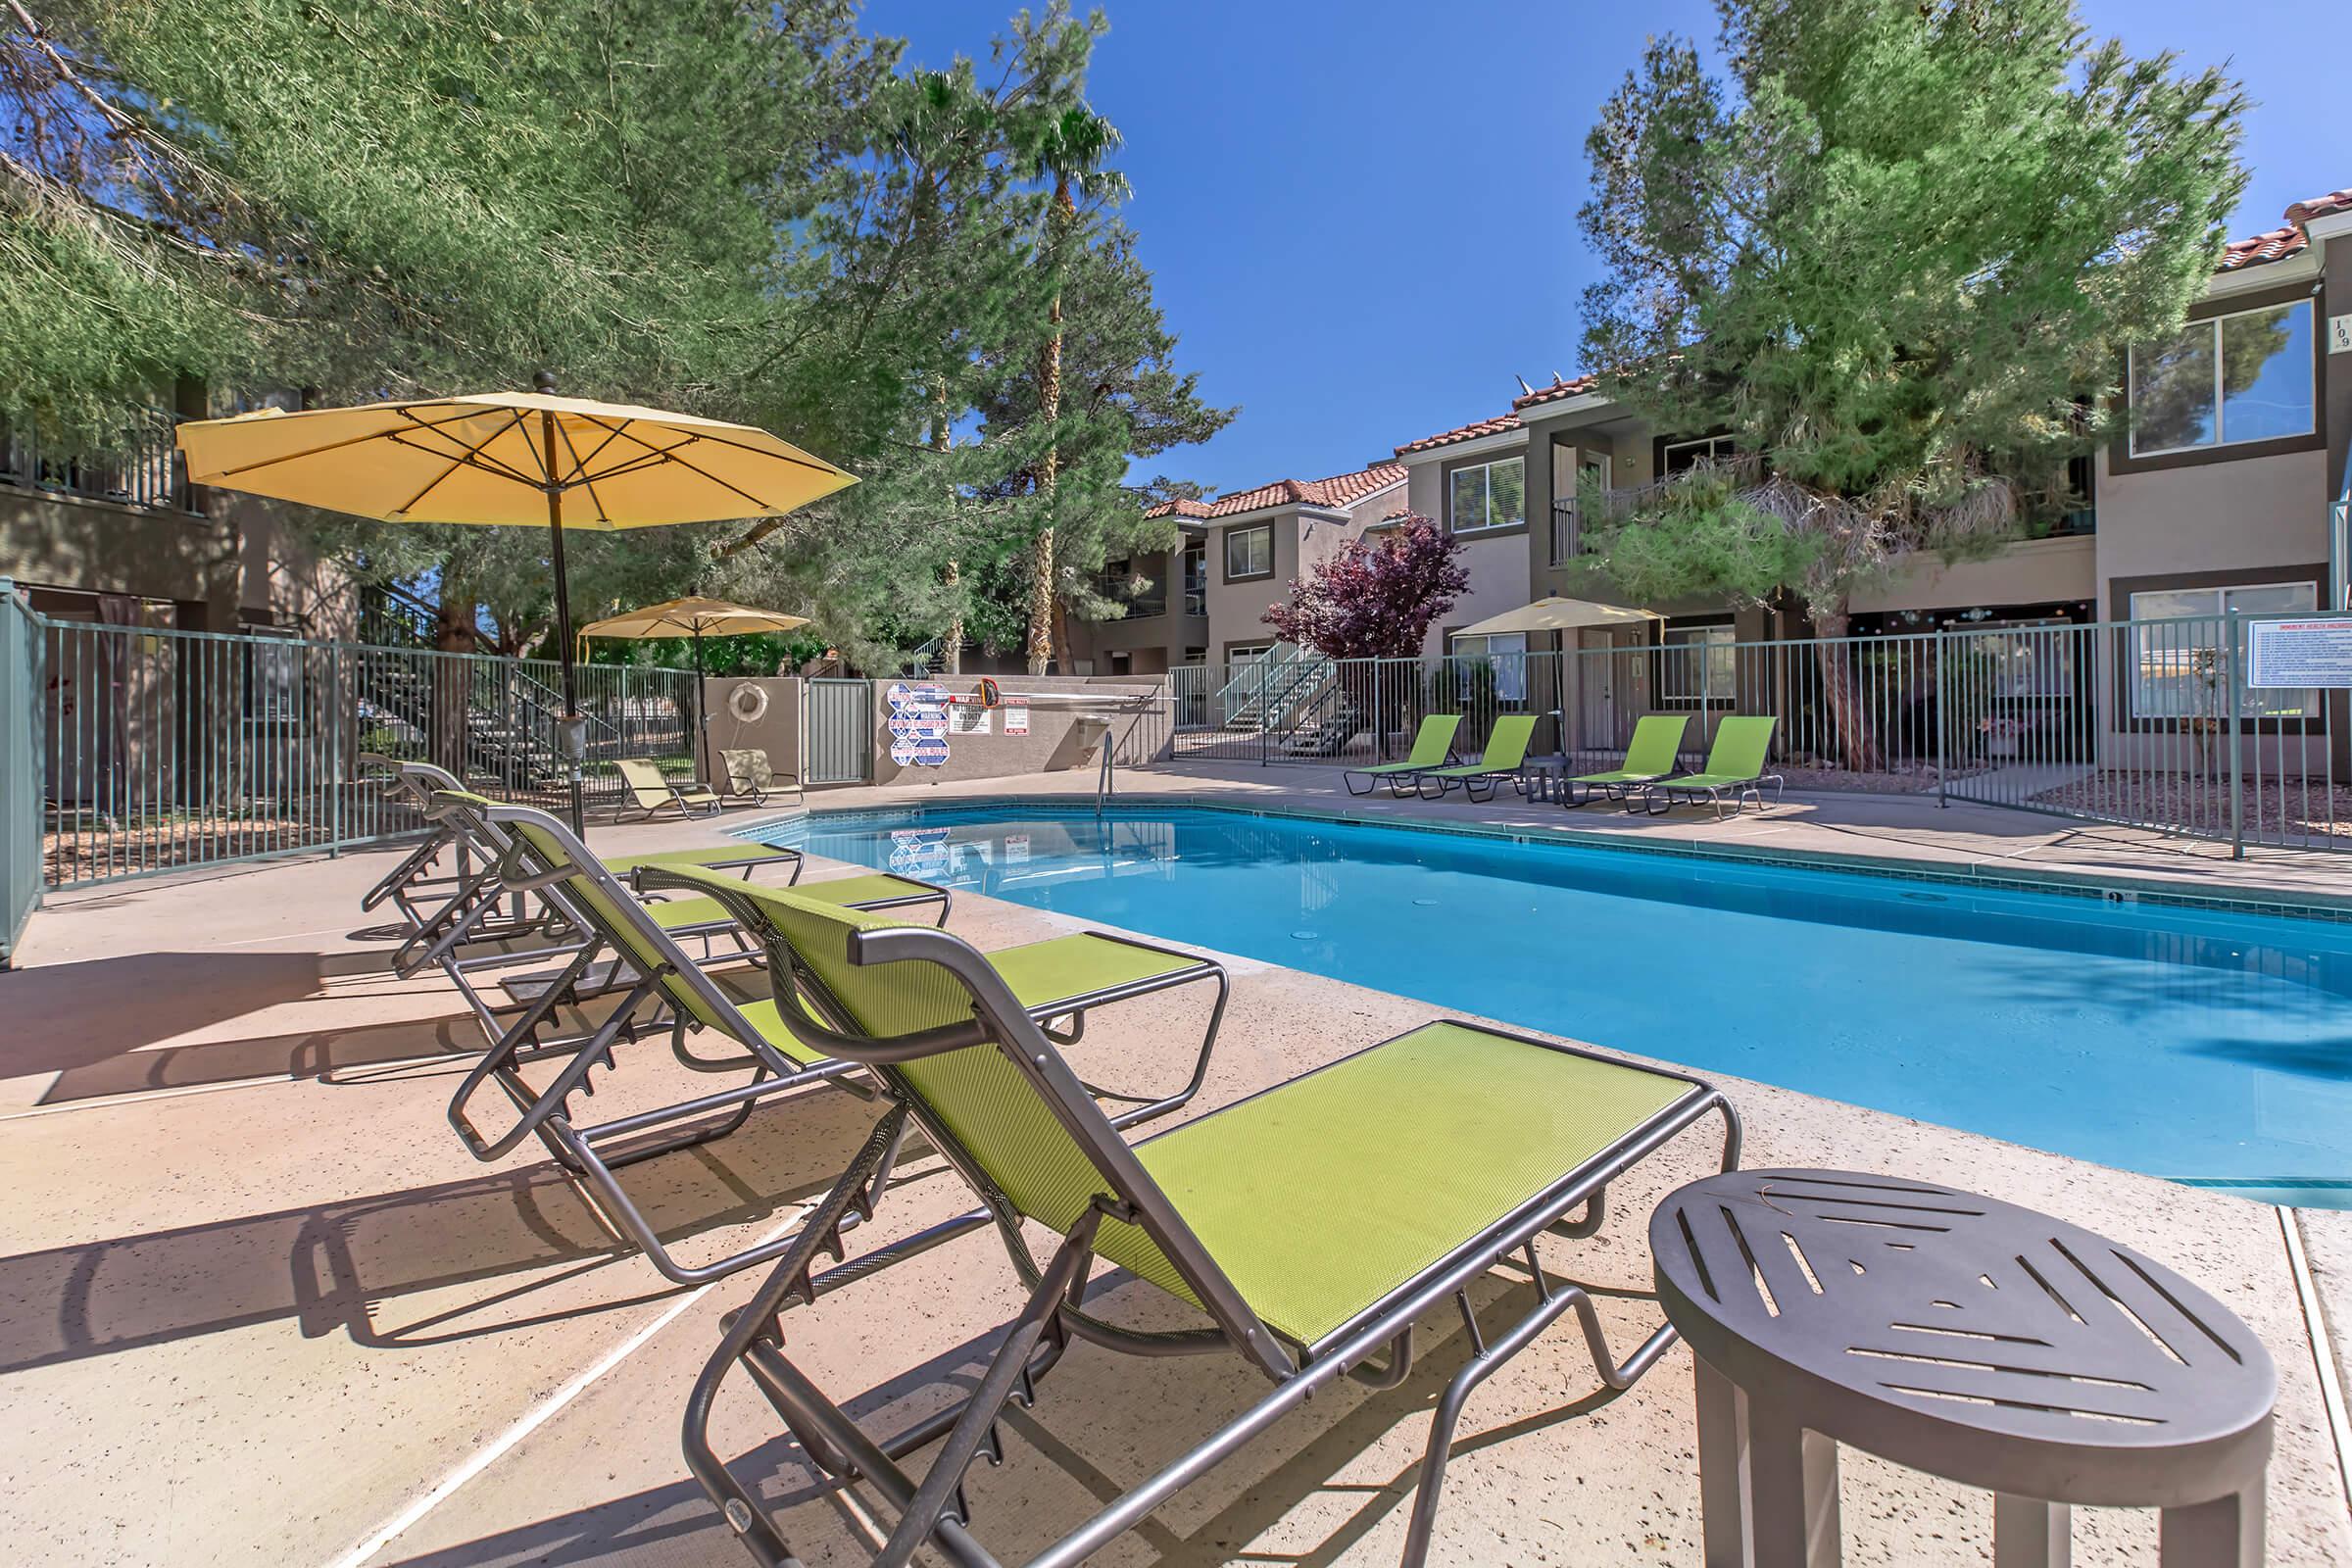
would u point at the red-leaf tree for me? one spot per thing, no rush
(1375, 601)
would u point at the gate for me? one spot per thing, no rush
(841, 731)
(19, 769)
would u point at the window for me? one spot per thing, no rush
(1487, 495)
(1504, 654)
(1680, 455)
(2230, 379)
(1699, 663)
(1244, 653)
(1196, 577)
(1249, 552)
(2178, 668)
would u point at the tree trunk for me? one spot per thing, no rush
(1049, 409)
(952, 653)
(1857, 732)
(454, 632)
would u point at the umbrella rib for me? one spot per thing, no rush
(670, 455)
(463, 461)
(724, 441)
(468, 456)
(578, 466)
(337, 446)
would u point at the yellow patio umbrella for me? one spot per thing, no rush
(693, 617)
(509, 458)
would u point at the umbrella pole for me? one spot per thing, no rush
(702, 712)
(569, 738)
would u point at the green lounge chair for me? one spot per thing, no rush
(1061, 982)
(1433, 747)
(1506, 755)
(554, 916)
(461, 896)
(1309, 1227)
(1735, 768)
(649, 794)
(1648, 757)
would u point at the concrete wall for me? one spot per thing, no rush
(777, 732)
(1055, 742)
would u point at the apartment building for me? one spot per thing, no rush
(2218, 499)
(117, 534)
(1238, 557)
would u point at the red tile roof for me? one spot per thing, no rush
(1179, 506)
(1340, 490)
(2278, 244)
(1467, 432)
(1573, 388)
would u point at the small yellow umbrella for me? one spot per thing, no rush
(1560, 615)
(693, 617)
(507, 458)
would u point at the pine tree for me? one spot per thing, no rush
(1898, 253)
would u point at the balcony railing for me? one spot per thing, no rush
(144, 471)
(1140, 597)
(1567, 533)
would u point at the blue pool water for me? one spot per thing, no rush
(2184, 1043)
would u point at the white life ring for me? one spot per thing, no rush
(748, 703)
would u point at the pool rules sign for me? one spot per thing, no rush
(2316, 651)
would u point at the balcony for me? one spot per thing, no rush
(143, 470)
(1567, 533)
(1141, 595)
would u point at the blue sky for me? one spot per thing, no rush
(1361, 214)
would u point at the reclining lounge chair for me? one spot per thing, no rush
(1310, 1225)
(1735, 769)
(1433, 747)
(1062, 980)
(468, 896)
(1648, 757)
(752, 777)
(1504, 756)
(648, 793)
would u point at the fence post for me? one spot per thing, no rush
(1944, 725)
(334, 748)
(1264, 716)
(2237, 781)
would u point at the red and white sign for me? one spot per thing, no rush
(1016, 719)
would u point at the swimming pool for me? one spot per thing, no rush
(2191, 1044)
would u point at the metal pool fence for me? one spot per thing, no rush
(2149, 724)
(152, 748)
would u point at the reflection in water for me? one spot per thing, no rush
(2179, 1042)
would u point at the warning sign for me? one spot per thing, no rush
(1016, 719)
(2301, 652)
(962, 720)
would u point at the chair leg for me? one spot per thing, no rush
(2226, 1533)
(2028, 1533)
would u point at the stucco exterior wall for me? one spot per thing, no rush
(1236, 611)
(2217, 516)
(2030, 572)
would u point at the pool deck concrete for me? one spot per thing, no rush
(259, 1307)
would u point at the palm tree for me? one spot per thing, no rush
(1069, 144)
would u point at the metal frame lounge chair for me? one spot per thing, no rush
(752, 777)
(1650, 757)
(1311, 1224)
(1060, 980)
(651, 793)
(1735, 768)
(1433, 747)
(474, 879)
(1503, 758)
